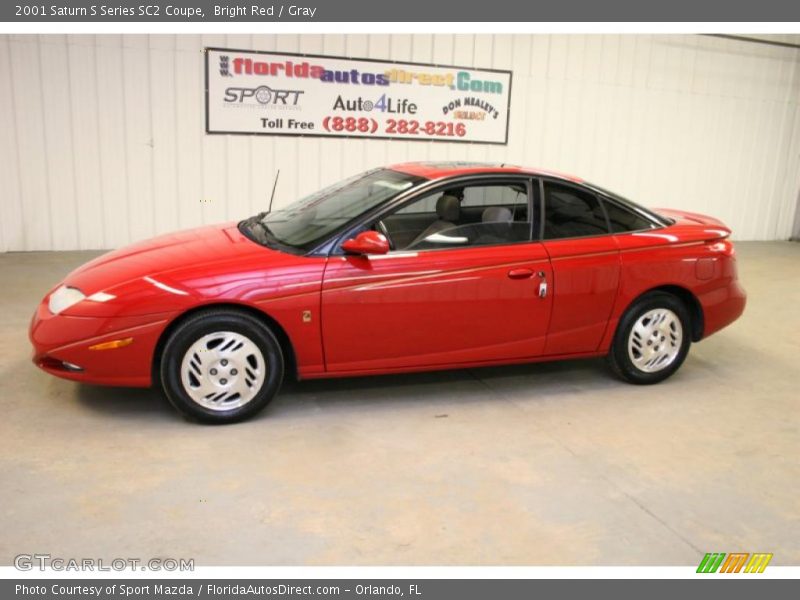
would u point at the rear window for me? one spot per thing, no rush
(631, 206)
(622, 219)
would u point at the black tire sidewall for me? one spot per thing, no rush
(619, 352)
(195, 327)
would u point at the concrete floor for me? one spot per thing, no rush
(531, 465)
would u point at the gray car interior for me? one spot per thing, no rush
(464, 222)
(448, 211)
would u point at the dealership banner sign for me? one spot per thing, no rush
(250, 92)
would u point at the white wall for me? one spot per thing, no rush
(102, 137)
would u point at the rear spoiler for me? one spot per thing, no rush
(713, 228)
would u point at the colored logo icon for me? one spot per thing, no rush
(737, 562)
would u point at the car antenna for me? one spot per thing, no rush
(274, 185)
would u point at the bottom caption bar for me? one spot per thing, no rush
(423, 589)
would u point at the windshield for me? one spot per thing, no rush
(309, 221)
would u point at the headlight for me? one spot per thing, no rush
(63, 298)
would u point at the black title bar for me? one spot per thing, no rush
(140, 11)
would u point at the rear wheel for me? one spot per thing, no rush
(221, 366)
(652, 339)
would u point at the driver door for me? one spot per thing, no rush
(476, 292)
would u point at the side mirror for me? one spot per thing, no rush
(367, 242)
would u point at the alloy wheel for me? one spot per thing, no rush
(655, 340)
(223, 370)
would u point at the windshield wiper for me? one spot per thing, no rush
(267, 233)
(269, 238)
(259, 232)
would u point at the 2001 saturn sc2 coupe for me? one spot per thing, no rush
(414, 267)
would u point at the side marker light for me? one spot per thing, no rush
(113, 344)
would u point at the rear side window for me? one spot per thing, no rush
(570, 212)
(622, 219)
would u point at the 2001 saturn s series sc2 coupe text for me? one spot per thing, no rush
(418, 266)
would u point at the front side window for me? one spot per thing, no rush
(461, 216)
(570, 212)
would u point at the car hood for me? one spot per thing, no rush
(174, 272)
(210, 246)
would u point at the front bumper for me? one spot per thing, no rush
(61, 347)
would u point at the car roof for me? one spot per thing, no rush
(445, 169)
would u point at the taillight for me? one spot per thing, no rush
(723, 246)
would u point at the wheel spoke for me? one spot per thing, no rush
(241, 388)
(206, 388)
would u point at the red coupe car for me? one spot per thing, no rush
(414, 267)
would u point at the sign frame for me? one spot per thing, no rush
(208, 131)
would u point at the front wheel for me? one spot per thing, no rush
(221, 366)
(652, 339)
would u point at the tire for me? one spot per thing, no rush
(221, 366)
(659, 344)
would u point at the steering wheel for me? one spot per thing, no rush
(380, 227)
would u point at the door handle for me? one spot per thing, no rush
(520, 273)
